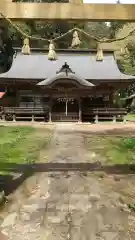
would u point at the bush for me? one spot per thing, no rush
(128, 143)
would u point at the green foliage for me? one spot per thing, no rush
(118, 101)
(131, 207)
(114, 27)
(23, 25)
(115, 150)
(98, 29)
(121, 150)
(127, 66)
(128, 143)
(129, 60)
(130, 117)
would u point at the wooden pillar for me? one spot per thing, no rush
(66, 104)
(3, 117)
(50, 110)
(32, 118)
(114, 119)
(124, 120)
(17, 102)
(80, 109)
(96, 118)
(14, 118)
(110, 100)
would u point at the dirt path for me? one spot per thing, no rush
(75, 205)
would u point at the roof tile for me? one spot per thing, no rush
(37, 66)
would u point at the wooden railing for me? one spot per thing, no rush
(104, 114)
(25, 110)
(94, 114)
(33, 113)
(110, 114)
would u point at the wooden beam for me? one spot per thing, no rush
(68, 11)
(75, 1)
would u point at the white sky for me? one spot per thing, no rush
(109, 1)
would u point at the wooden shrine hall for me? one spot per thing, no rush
(75, 87)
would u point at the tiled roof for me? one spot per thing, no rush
(84, 64)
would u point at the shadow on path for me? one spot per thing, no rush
(9, 184)
(30, 169)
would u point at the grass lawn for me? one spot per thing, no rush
(22, 144)
(130, 117)
(116, 150)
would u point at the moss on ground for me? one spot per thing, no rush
(22, 144)
(130, 117)
(116, 150)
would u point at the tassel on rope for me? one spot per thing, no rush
(52, 54)
(100, 55)
(26, 47)
(121, 50)
(75, 41)
(124, 51)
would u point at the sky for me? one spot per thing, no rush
(109, 1)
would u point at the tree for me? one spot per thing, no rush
(115, 27)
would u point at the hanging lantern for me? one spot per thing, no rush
(52, 54)
(26, 47)
(100, 55)
(75, 41)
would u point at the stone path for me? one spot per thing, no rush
(74, 206)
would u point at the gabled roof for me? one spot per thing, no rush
(83, 63)
(65, 73)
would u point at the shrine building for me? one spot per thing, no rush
(75, 87)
